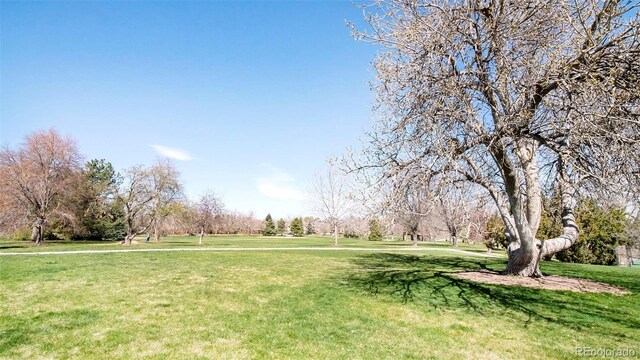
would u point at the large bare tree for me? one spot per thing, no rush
(36, 179)
(517, 97)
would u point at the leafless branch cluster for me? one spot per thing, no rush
(146, 194)
(331, 198)
(35, 181)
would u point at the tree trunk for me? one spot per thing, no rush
(156, 234)
(128, 238)
(335, 235)
(414, 238)
(37, 232)
(201, 235)
(525, 254)
(524, 261)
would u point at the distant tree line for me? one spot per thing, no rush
(48, 192)
(297, 226)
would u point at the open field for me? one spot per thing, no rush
(221, 241)
(297, 304)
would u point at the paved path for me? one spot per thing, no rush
(420, 249)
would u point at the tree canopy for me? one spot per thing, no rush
(518, 98)
(37, 180)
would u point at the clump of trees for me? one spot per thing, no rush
(44, 186)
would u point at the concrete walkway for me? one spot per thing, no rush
(418, 249)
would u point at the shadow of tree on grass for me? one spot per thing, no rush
(431, 280)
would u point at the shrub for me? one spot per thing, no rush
(601, 231)
(21, 235)
(495, 238)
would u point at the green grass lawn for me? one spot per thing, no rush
(302, 304)
(221, 241)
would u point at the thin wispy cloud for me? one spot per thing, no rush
(172, 153)
(278, 184)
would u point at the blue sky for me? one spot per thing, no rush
(249, 98)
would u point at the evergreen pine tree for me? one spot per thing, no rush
(310, 228)
(375, 233)
(282, 226)
(269, 227)
(601, 231)
(297, 229)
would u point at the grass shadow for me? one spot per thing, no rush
(430, 280)
(11, 247)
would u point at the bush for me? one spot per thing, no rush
(495, 238)
(601, 231)
(350, 234)
(21, 235)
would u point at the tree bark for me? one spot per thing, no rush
(201, 235)
(128, 239)
(335, 234)
(524, 261)
(525, 255)
(37, 232)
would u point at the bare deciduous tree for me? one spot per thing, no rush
(168, 191)
(414, 205)
(142, 192)
(206, 209)
(515, 97)
(136, 194)
(454, 209)
(330, 196)
(35, 179)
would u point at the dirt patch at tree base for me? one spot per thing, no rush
(551, 282)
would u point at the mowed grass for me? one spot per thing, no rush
(298, 304)
(222, 241)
